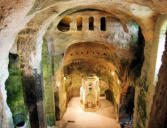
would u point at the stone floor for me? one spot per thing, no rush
(75, 117)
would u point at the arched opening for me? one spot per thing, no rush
(79, 23)
(91, 23)
(64, 24)
(74, 68)
(65, 84)
(137, 63)
(110, 96)
(103, 24)
(74, 71)
(127, 107)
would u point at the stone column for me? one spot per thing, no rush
(158, 115)
(34, 98)
(73, 24)
(32, 80)
(85, 23)
(97, 24)
(108, 23)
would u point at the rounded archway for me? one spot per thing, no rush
(119, 35)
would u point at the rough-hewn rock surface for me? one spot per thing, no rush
(12, 19)
(3, 121)
(39, 14)
(158, 117)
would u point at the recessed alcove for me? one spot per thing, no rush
(79, 23)
(64, 24)
(91, 23)
(103, 24)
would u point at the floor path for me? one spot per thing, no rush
(75, 117)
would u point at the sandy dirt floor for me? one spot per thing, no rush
(75, 117)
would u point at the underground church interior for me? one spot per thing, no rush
(83, 63)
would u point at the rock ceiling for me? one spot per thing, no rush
(26, 22)
(144, 12)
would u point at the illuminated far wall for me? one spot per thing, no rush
(161, 48)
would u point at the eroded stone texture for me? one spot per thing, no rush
(101, 59)
(5, 115)
(48, 83)
(158, 117)
(13, 17)
(34, 99)
(3, 118)
(14, 90)
(146, 83)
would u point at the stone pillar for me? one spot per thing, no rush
(32, 79)
(158, 116)
(108, 23)
(34, 98)
(145, 87)
(48, 65)
(73, 24)
(85, 23)
(96, 23)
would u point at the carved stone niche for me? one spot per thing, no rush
(90, 93)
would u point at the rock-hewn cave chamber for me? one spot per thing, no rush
(83, 64)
